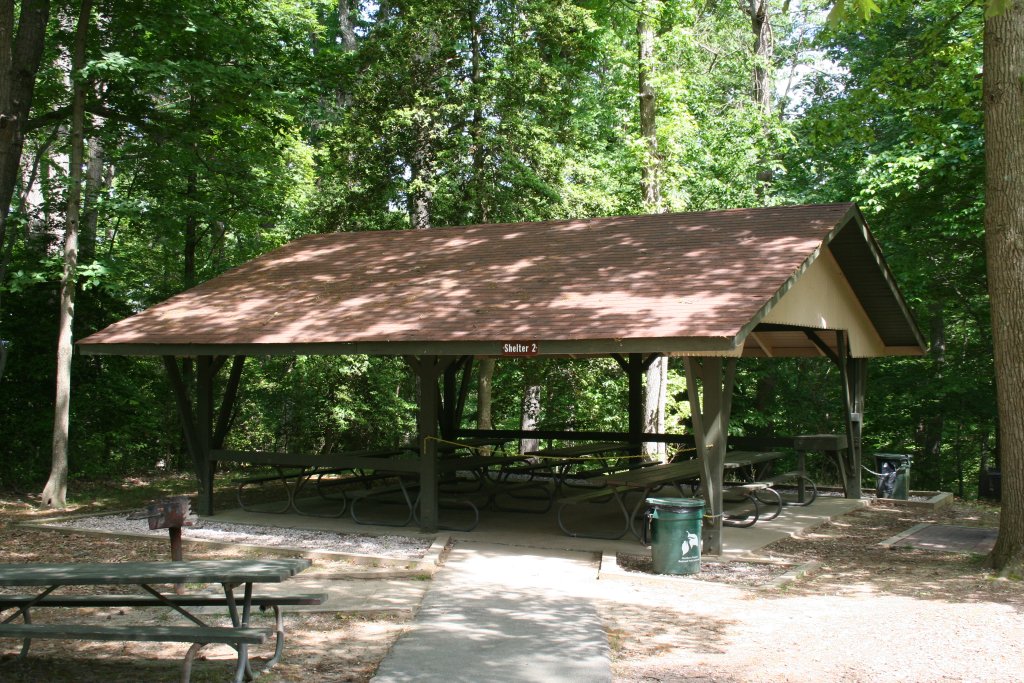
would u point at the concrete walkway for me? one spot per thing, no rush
(500, 614)
(514, 600)
(515, 605)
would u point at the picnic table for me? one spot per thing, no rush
(294, 471)
(560, 461)
(643, 481)
(405, 492)
(50, 578)
(759, 464)
(647, 480)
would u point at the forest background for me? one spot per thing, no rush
(216, 131)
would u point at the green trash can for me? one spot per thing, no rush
(673, 526)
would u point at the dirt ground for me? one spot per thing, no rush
(866, 613)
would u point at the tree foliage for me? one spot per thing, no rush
(225, 129)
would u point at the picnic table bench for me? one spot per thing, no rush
(759, 464)
(147, 575)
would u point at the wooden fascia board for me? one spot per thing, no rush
(673, 346)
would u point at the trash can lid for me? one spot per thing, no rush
(893, 456)
(675, 503)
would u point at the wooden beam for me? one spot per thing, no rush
(227, 405)
(184, 403)
(583, 347)
(205, 367)
(761, 344)
(428, 369)
(710, 415)
(822, 346)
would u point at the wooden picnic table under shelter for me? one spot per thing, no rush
(710, 287)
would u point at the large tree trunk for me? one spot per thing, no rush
(476, 189)
(932, 426)
(421, 183)
(531, 406)
(650, 189)
(484, 378)
(94, 185)
(21, 50)
(764, 50)
(55, 492)
(1004, 244)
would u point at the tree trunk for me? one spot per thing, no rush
(421, 182)
(1004, 244)
(93, 188)
(764, 49)
(531, 408)
(480, 213)
(191, 232)
(21, 50)
(933, 426)
(654, 405)
(485, 376)
(650, 190)
(55, 493)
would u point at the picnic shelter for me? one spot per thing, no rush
(709, 287)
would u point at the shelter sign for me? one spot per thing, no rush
(520, 348)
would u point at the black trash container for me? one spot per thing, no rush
(990, 485)
(893, 475)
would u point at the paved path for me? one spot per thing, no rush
(498, 613)
(947, 538)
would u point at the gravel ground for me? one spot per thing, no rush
(868, 614)
(752, 574)
(398, 547)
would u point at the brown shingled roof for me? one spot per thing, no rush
(670, 282)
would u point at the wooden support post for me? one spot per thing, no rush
(714, 379)
(853, 373)
(857, 374)
(204, 432)
(448, 400)
(428, 369)
(197, 418)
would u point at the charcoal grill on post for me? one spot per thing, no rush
(171, 514)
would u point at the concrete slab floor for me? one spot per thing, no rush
(541, 530)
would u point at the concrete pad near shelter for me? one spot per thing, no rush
(947, 538)
(540, 531)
